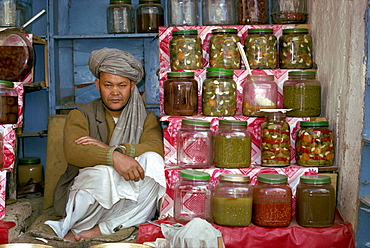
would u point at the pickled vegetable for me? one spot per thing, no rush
(304, 100)
(9, 109)
(232, 211)
(232, 152)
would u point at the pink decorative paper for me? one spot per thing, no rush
(2, 193)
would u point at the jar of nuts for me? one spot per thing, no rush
(8, 103)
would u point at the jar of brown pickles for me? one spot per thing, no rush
(8, 103)
(149, 16)
(252, 12)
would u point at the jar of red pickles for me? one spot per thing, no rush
(8, 103)
(272, 200)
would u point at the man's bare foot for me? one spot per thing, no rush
(93, 232)
(70, 236)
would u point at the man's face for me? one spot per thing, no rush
(115, 92)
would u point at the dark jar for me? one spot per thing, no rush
(219, 12)
(314, 145)
(180, 94)
(8, 103)
(120, 17)
(182, 12)
(149, 16)
(232, 144)
(289, 11)
(30, 171)
(252, 12)
(272, 200)
(315, 201)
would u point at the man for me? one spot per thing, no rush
(115, 146)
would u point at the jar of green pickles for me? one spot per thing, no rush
(232, 200)
(219, 92)
(314, 145)
(185, 50)
(295, 49)
(223, 48)
(232, 144)
(275, 140)
(261, 48)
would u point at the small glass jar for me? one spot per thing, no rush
(193, 194)
(302, 94)
(223, 48)
(314, 145)
(149, 16)
(261, 48)
(275, 140)
(194, 144)
(295, 47)
(315, 206)
(219, 92)
(186, 50)
(120, 17)
(30, 171)
(8, 103)
(232, 200)
(182, 12)
(219, 12)
(289, 11)
(259, 92)
(272, 200)
(232, 144)
(252, 12)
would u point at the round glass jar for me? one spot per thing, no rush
(315, 205)
(219, 92)
(223, 48)
(232, 200)
(186, 50)
(149, 16)
(272, 201)
(180, 94)
(193, 194)
(275, 140)
(232, 144)
(30, 171)
(259, 92)
(120, 17)
(194, 144)
(314, 145)
(289, 11)
(252, 12)
(8, 103)
(302, 94)
(261, 48)
(295, 47)
(182, 12)
(219, 12)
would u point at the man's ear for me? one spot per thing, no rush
(97, 83)
(132, 85)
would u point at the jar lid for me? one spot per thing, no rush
(29, 160)
(314, 123)
(145, 1)
(6, 83)
(195, 122)
(315, 179)
(184, 32)
(220, 70)
(260, 30)
(195, 175)
(120, 1)
(180, 74)
(272, 178)
(307, 73)
(295, 30)
(234, 178)
(233, 122)
(224, 30)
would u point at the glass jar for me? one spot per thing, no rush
(193, 194)
(24, 13)
(30, 171)
(232, 200)
(182, 12)
(223, 48)
(194, 144)
(259, 92)
(295, 49)
(149, 14)
(219, 92)
(272, 201)
(186, 50)
(8, 103)
(261, 48)
(120, 17)
(302, 94)
(232, 144)
(275, 140)
(8, 13)
(314, 144)
(219, 12)
(180, 94)
(252, 12)
(289, 11)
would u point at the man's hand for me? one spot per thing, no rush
(86, 140)
(127, 167)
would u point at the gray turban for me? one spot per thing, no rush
(117, 62)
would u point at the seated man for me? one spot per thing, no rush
(114, 149)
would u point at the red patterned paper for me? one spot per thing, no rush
(2, 193)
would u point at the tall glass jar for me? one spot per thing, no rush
(314, 144)
(120, 17)
(252, 12)
(259, 92)
(8, 13)
(180, 94)
(295, 47)
(261, 48)
(149, 16)
(193, 194)
(232, 144)
(219, 92)
(232, 200)
(272, 200)
(289, 11)
(275, 140)
(219, 12)
(8, 103)
(223, 48)
(302, 94)
(182, 12)
(194, 144)
(186, 50)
